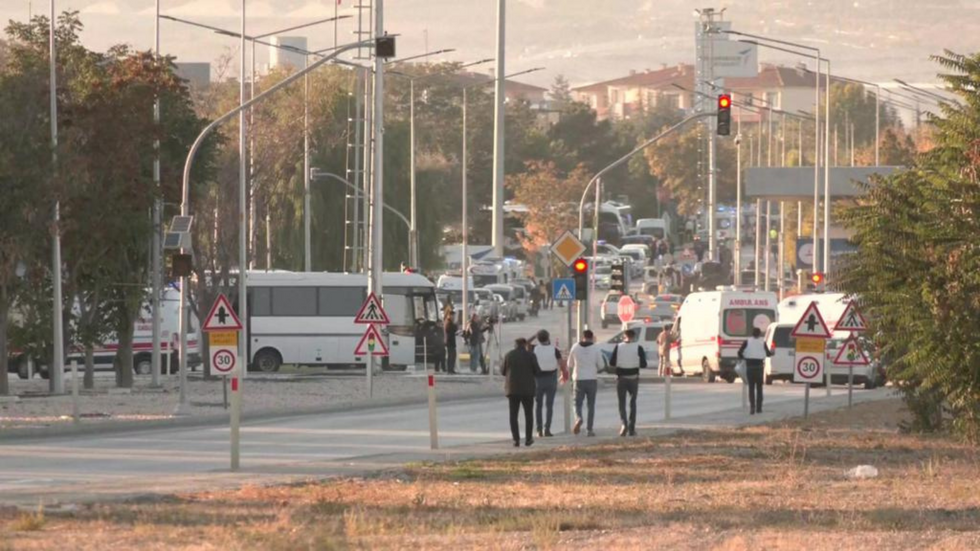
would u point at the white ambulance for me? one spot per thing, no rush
(712, 325)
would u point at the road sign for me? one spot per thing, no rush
(851, 319)
(851, 353)
(811, 324)
(563, 289)
(371, 343)
(809, 368)
(372, 312)
(224, 360)
(627, 309)
(809, 345)
(568, 248)
(222, 317)
(218, 339)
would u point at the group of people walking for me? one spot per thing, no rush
(474, 336)
(532, 372)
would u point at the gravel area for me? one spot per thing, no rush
(280, 393)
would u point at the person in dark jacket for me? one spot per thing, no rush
(754, 351)
(628, 358)
(520, 369)
(450, 329)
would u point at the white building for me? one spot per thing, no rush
(281, 56)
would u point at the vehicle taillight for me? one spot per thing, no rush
(772, 346)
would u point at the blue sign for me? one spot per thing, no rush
(804, 251)
(563, 289)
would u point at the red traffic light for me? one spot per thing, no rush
(817, 278)
(724, 101)
(581, 266)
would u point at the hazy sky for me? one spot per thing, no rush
(587, 40)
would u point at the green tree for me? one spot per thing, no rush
(561, 93)
(674, 161)
(916, 270)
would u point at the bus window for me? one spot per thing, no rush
(419, 303)
(294, 301)
(340, 301)
(260, 303)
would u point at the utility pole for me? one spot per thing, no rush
(704, 75)
(498, 133)
(376, 268)
(156, 264)
(57, 370)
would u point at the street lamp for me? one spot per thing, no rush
(818, 58)
(877, 111)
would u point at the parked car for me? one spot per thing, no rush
(609, 310)
(646, 333)
(514, 294)
(506, 309)
(603, 276)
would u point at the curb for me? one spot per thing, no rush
(119, 427)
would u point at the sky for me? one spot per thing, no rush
(586, 40)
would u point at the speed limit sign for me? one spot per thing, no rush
(224, 360)
(809, 368)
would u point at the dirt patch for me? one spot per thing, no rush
(771, 487)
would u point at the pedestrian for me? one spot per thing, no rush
(450, 329)
(546, 384)
(475, 339)
(585, 361)
(664, 340)
(628, 358)
(520, 371)
(754, 350)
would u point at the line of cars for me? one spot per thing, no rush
(505, 302)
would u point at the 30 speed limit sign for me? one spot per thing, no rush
(809, 368)
(224, 352)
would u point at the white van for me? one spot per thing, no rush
(657, 227)
(714, 324)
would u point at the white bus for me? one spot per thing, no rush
(307, 319)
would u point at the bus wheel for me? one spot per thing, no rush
(142, 365)
(706, 373)
(267, 361)
(22, 368)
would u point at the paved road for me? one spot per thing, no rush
(86, 467)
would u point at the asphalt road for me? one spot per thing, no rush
(99, 466)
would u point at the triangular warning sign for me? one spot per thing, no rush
(564, 293)
(372, 312)
(222, 317)
(851, 353)
(371, 343)
(851, 319)
(811, 324)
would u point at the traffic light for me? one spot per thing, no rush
(581, 274)
(724, 114)
(181, 265)
(618, 278)
(819, 280)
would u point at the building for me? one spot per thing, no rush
(536, 96)
(197, 74)
(281, 56)
(622, 97)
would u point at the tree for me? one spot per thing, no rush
(561, 93)
(917, 270)
(674, 160)
(551, 199)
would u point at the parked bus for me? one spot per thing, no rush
(307, 319)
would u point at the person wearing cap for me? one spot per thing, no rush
(628, 358)
(585, 361)
(549, 362)
(520, 370)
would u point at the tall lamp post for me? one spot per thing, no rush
(58, 361)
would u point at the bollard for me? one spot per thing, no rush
(431, 380)
(74, 391)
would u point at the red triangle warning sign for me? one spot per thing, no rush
(372, 312)
(371, 343)
(222, 317)
(851, 353)
(811, 324)
(851, 319)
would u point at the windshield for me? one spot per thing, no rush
(655, 232)
(738, 322)
(603, 269)
(504, 293)
(613, 298)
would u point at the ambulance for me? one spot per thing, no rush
(712, 325)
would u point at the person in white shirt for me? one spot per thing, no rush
(754, 351)
(550, 362)
(585, 361)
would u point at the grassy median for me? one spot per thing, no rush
(773, 487)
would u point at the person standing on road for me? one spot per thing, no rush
(628, 358)
(520, 371)
(450, 329)
(546, 384)
(664, 340)
(754, 350)
(475, 339)
(585, 361)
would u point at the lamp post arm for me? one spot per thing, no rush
(317, 174)
(624, 158)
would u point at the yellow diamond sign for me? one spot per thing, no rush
(568, 248)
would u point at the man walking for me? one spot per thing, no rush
(628, 358)
(664, 340)
(474, 339)
(754, 351)
(585, 361)
(549, 361)
(450, 328)
(520, 369)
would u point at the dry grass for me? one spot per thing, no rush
(775, 487)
